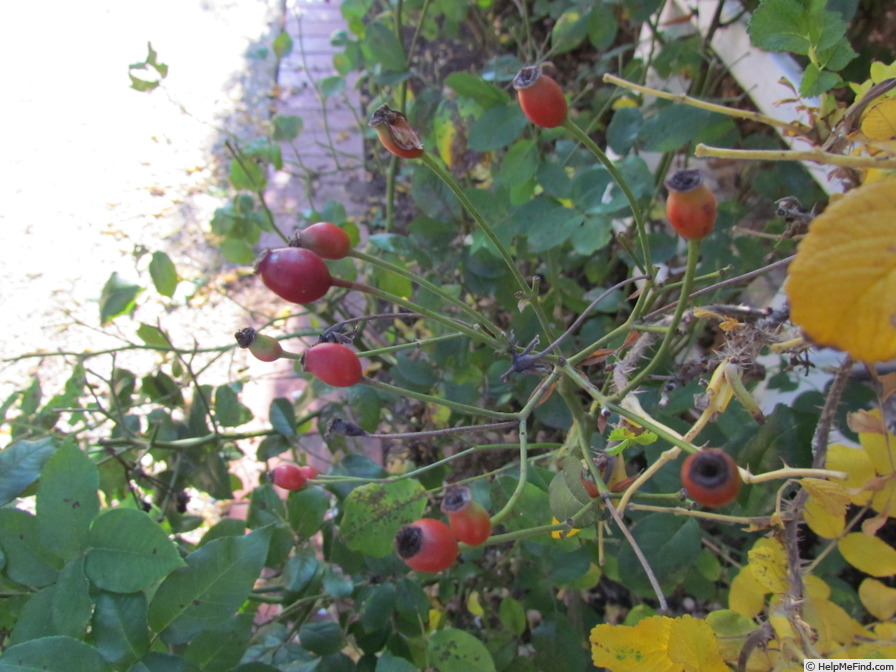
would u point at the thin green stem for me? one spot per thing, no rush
(456, 325)
(412, 345)
(507, 509)
(469, 311)
(686, 284)
(637, 213)
(430, 399)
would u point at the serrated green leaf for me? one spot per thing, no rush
(569, 31)
(496, 128)
(46, 653)
(375, 512)
(128, 551)
(216, 580)
(454, 650)
(282, 44)
(163, 273)
(221, 648)
(152, 335)
(673, 545)
(117, 298)
(237, 251)
(28, 561)
(229, 411)
(71, 607)
(282, 415)
(475, 88)
(512, 615)
(384, 47)
(20, 465)
(119, 627)
(306, 509)
(67, 501)
(322, 638)
(286, 127)
(816, 82)
(247, 174)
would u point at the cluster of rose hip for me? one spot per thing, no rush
(297, 273)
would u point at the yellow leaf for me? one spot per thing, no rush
(856, 463)
(878, 598)
(879, 121)
(732, 630)
(657, 644)
(768, 562)
(816, 588)
(822, 523)
(865, 421)
(638, 648)
(693, 646)
(474, 606)
(747, 595)
(868, 554)
(842, 283)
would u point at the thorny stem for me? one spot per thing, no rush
(664, 606)
(686, 284)
(795, 128)
(425, 284)
(457, 325)
(811, 155)
(447, 403)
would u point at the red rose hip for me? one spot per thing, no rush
(711, 477)
(427, 545)
(691, 206)
(324, 239)
(467, 518)
(288, 477)
(294, 274)
(540, 97)
(333, 363)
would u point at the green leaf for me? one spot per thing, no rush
(496, 128)
(282, 415)
(378, 607)
(512, 615)
(128, 551)
(152, 335)
(221, 648)
(237, 251)
(375, 512)
(20, 465)
(322, 638)
(569, 31)
(32, 621)
(624, 129)
(677, 125)
(454, 650)
(816, 82)
(117, 298)
(272, 446)
(673, 545)
(781, 25)
(384, 47)
(48, 653)
(388, 662)
(336, 584)
(214, 583)
(120, 628)
(546, 224)
(150, 65)
(475, 88)
(71, 605)
(28, 561)
(282, 44)
(365, 404)
(229, 412)
(164, 275)
(286, 127)
(332, 86)
(306, 509)
(67, 501)
(602, 26)
(247, 174)
(519, 164)
(162, 662)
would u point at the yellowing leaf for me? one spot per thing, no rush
(868, 554)
(825, 510)
(474, 606)
(657, 644)
(857, 464)
(747, 595)
(732, 630)
(865, 421)
(878, 598)
(816, 588)
(842, 283)
(879, 121)
(693, 646)
(768, 562)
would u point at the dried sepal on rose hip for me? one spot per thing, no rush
(467, 518)
(295, 274)
(540, 97)
(711, 477)
(691, 206)
(427, 545)
(396, 134)
(325, 239)
(262, 347)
